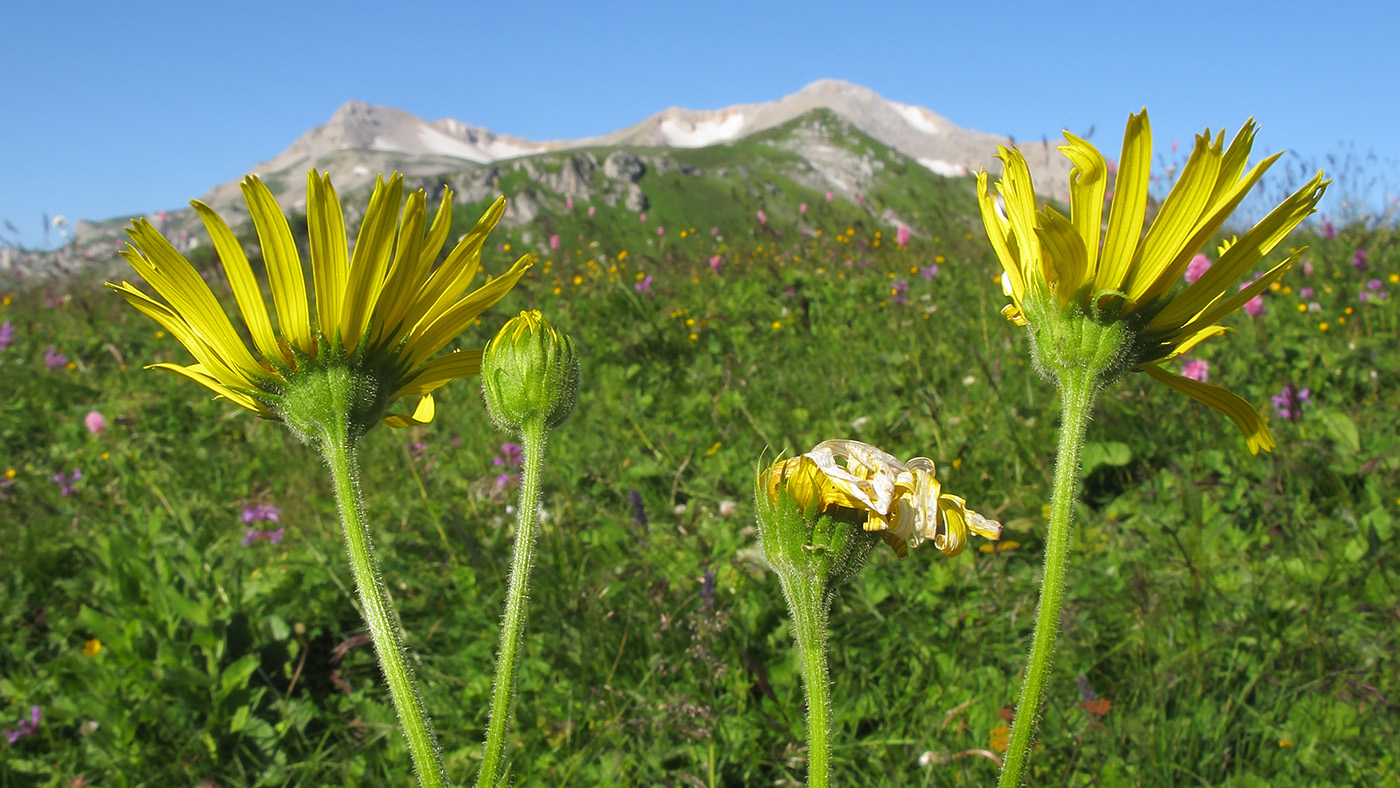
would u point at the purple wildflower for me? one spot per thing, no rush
(901, 235)
(261, 512)
(272, 537)
(1359, 260)
(716, 263)
(7, 334)
(644, 285)
(897, 293)
(54, 359)
(66, 482)
(1288, 404)
(1375, 285)
(639, 509)
(1328, 230)
(929, 272)
(26, 727)
(1306, 292)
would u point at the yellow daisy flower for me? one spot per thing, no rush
(903, 501)
(1115, 274)
(381, 313)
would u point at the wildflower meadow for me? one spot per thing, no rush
(644, 431)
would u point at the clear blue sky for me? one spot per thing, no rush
(121, 108)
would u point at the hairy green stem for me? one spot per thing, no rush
(517, 601)
(1078, 388)
(379, 614)
(810, 607)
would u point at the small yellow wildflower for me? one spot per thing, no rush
(622, 255)
(91, 647)
(1323, 326)
(1302, 307)
(578, 279)
(777, 325)
(9, 473)
(1349, 310)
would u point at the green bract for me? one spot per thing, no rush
(529, 372)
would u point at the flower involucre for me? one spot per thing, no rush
(1115, 273)
(380, 314)
(901, 500)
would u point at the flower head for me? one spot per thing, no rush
(1122, 279)
(903, 501)
(96, 424)
(7, 334)
(380, 313)
(529, 373)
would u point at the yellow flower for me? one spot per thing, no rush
(1129, 278)
(91, 647)
(901, 500)
(381, 312)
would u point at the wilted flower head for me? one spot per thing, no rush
(381, 313)
(902, 501)
(1122, 279)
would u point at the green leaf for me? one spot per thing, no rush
(235, 676)
(1112, 454)
(1342, 430)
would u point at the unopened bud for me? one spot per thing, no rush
(529, 372)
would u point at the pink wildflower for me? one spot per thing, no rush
(554, 243)
(1197, 268)
(95, 423)
(1196, 369)
(762, 217)
(901, 236)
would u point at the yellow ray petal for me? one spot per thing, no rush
(451, 278)
(463, 363)
(245, 285)
(200, 375)
(172, 321)
(1170, 349)
(406, 273)
(1246, 418)
(437, 234)
(1177, 221)
(1063, 251)
(370, 260)
(997, 232)
(423, 414)
(330, 266)
(184, 289)
(1018, 198)
(429, 339)
(283, 264)
(1088, 181)
(1126, 215)
(1221, 307)
(1241, 256)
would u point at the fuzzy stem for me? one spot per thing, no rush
(339, 452)
(810, 608)
(1078, 388)
(517, 600)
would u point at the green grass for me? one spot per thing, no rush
(1238, 614)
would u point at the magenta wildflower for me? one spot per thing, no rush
(272, 537)
(1197, 370)
(1288, 404)
(660, 230)
(569, 204)
(644, 285)
(929, 271)
(901, 236)
(642, 218)
(96, 424)
(714, 232)
(54, 359)
(554, 243)
(1359, 260)
(513, 454)
(1375, 285)
(7, 334)
(716, 263)
(1307, 268)
(828, 196)
(1328, 231)
(802, 208)
(591, 210)
(762, 217)
(26, 727)
(1306, 292)
(898, 292)
(1197, 268)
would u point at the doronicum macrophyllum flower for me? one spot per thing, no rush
(1063, 270)
(902, 501)
(380, 313)
(529, 372)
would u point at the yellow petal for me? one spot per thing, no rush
(206, 354)
(184, 289)
(1221, 307)
(427, 340)
(199, 374)
(1063, 251)
(370, 260)
(998, 232)
(1018, 198)
(439, 371)
(1126, 215)
(283, 263)
(1246, 418)
(423, 414)
(1241, 256)
(1170, 349)
(1088, 181)
(404, 276)
(1176, 222)
(451, 278)
(245, 285)
(330, 266)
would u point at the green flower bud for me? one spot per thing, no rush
(529, 372)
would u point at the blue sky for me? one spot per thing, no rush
(122, 108)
